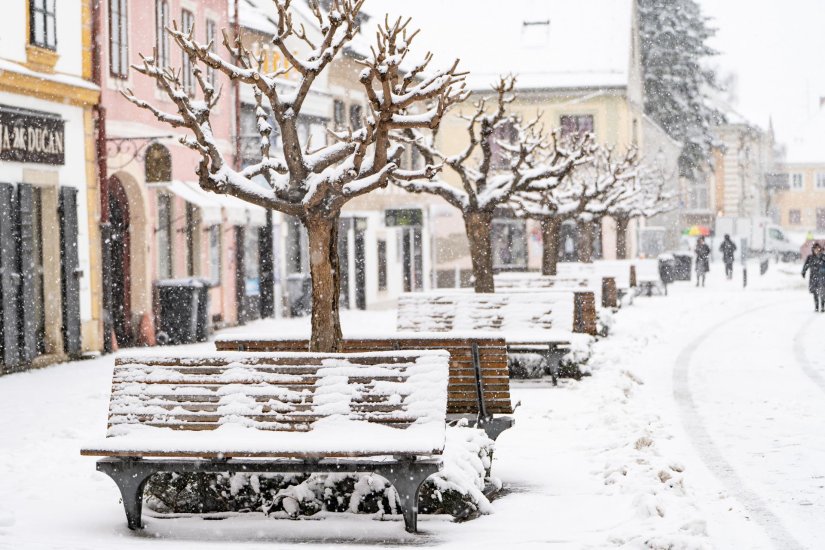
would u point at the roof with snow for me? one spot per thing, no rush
(547, 43)
(809, 146)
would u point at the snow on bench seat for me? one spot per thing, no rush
(253, 405)
(513, 311)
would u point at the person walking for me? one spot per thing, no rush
(815, 262)
(702, 261)
(728, 249)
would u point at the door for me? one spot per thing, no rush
(120, 250)
(568, 239)
(30, 247)
(70, 271)
(360, 264)
(9, 279)
(413, 259)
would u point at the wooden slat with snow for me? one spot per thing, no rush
(479, 382)
(208, 412)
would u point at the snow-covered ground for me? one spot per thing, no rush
(701, 427)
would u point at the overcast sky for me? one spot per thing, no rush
(777, 51)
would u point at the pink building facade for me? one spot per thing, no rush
(161, 225)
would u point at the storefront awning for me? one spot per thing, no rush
(210, 209)
(240, 212)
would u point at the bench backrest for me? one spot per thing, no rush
(509, 310)
(278, 392)
(536, 280)
(491, 377)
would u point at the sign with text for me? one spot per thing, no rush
(31, 136)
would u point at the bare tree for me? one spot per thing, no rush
(503, 156)
(585, 196)
(312, 185)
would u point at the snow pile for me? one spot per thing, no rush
(457, 490)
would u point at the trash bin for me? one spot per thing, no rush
(179, 306)
(299, 292)
(684, 266)
(667, 268)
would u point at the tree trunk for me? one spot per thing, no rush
(479, 226)
(621, 237)
(326, 285)
(550, 240)
(585, 244)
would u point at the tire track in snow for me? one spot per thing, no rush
(802, 357)
(710, 453)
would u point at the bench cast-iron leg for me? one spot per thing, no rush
(407, 480)
(130, 476)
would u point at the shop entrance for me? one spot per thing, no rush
(121, 260)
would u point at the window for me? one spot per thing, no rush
(162, 46)
(251, 257)
(797, 182)
(576, 124)
(382, 265)
(820, 181)
(215, 254)
(339, 114)
(250, 138)
(698, 197)
(42, 29)
(158, 164)
(187, 21)
(795, 217)
(505, 133)
(509, 244)
(119, 38)
(355, 117)
(164, 236)
(211, 39)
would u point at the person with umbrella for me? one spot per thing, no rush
(816, 284)
(702, 261)
(728, 249)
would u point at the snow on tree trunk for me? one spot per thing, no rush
(621, 237)
(479, 226)
(584, 246)
(326, 283)
(550, 238)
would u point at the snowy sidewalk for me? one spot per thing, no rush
(701, 427)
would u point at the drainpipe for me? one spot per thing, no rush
(103, 182)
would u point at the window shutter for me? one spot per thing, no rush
(28, 322)
(70, 270)
(9, 279)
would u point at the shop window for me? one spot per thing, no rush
(795, 217)
(572, 125)
(158, 164)
(119, 38)
(504, 134)
(42, 27)
(187, 21)
(251, 262)
(164, 236)
(509, 240)
(215, 254)
(382, 265)
(162, 44)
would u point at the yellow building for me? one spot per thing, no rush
(49, 201)
(801, 207)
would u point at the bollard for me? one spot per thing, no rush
(610, 292)
(584, 313)
(633, 276)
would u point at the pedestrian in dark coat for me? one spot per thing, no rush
(702, 261)
(728, 249)
(816, 284)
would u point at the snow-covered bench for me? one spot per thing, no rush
(479, 384)
(605, 289)
(548, 322)
(278, 413)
